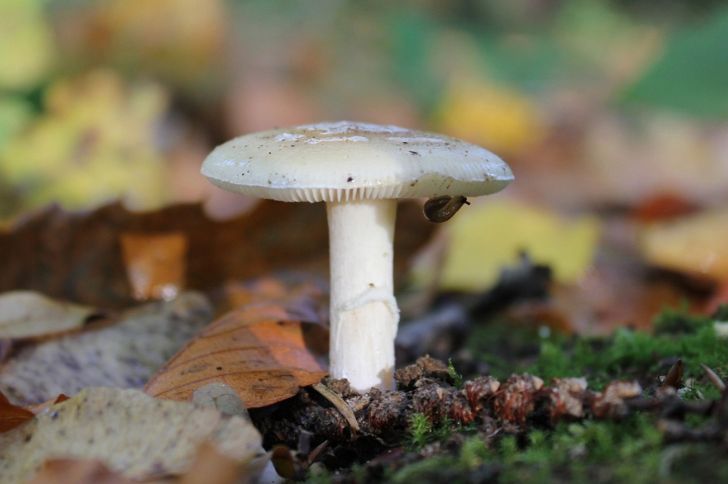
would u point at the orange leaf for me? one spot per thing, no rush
(12, 415)
(78, 471)
(663, 206)
(262, 351)
(155, 263)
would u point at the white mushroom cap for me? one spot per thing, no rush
(359, 170)
(341, 161)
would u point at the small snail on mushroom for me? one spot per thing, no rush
(441, 209)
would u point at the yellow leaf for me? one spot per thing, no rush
(95, 140)
(15, 113)
(486, 237)
(501, 119)
(694, 245)
(25, 43)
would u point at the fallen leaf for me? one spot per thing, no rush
(304, 293)
(483, 112)
(170, 40)
(94, 139)
(155, 264)
(213, 467)
(12, 415)
(693, 245)
(130, 432)
(209, 466)
(259, 350)
(221, 397)
(26, 314)
(25, 43)
(719, 298)
(123, 355)
(78, 256)
(662, 207)
(675, 153)
(66, 471)
(487, 237)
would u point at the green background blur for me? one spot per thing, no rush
(592, 102)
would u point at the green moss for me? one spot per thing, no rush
(676, 321)
(595, 451)
(420, 429)
(470, 464)
(627, 354)
(503, 347)
(318, 474)
(455, 376)
(629, 450)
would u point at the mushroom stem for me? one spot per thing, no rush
(364, 313)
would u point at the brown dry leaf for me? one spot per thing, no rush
(719, 297)
(123, 355)
(131, 432)
(155, 264)
(620, 288)
(12, 415)
(603, 302)
(213, 467)
(663, 206)
(78, 257)
(74, 471)
(261, 350)
(27, 314)
(305, 293)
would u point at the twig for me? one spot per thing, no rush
(338, 402)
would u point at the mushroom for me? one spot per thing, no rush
(359, 170)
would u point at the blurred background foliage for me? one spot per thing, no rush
(598, 106)
(123, 98)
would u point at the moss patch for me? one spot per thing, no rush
(627, 354)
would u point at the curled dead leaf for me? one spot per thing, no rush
(260, 350)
